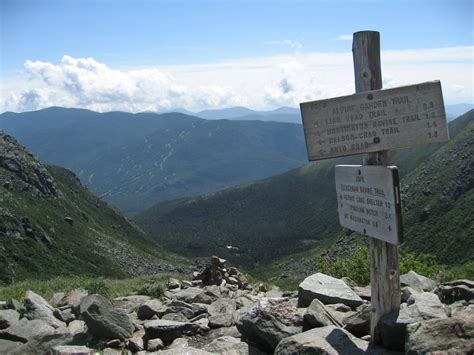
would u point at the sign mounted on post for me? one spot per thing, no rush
(375, 120)
(369, 201)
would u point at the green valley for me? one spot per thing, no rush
(295, 212)
(52, 225)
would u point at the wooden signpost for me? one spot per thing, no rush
(369, 201)
(373, 121)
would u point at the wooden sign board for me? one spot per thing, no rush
(375, 120)
(369, 201)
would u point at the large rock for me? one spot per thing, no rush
(222, 305)
(459, 290)
(358, 323)
(70, 350)
(422, 306)
(168, 330)
(328, 290)
(103, 320)
(42, 342)
(8, 317)
(417, 282)
(453, 336)
(37, 308)
(228, 345)
(461, 309)
(194, 295)
(325, 340)
(130, 303)
(148, 309)
(69, 298)
(137, 342)
(269, 321)
(25, 329)
(7, 345)
(221, 320)
(78, 330)
(317, 315)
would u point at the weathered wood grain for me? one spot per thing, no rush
(384, 266)
(369, 201)
(375, 120)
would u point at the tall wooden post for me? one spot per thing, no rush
(384, 270)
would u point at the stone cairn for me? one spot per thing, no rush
(216, 273)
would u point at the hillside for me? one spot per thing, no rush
(293, 212)
(51, 225)
(438, 200)
(137, 160)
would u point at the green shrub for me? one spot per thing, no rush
(357, 266)
(98, 286)
(151, 288)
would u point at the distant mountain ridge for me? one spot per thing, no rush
(297, 210)
(288, 114)
(137, 160)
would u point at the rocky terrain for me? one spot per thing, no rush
(51, 224)
(218, 312)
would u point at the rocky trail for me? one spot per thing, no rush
(219, 312)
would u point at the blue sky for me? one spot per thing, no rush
(177, 40)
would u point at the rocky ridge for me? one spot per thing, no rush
(51, 224)
(326, 315)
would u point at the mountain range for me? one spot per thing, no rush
(137, 160)
(296, 211)
(288, 114)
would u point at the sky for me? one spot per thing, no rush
(161, 55)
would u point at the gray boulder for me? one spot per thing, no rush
(70, 350)
(65, 315)
(227, 345)
(358, 323)
(459, 290)
(461, 309)
(187, 310)
(221, 320)
(325, 340)
(78, 330)
(317, 315)
(222, 305)
(25, 329)
(417, 282)
(328, 290)
(168, 330)
(406, 293)
(188, 295)
(269, 321)
(130, 303)
(178, 317)
(154, 344)
(43, 341)
(103, 320)
(8, 345)
(453, 336)
(422, 306)
(70, 298)
(136, 342)
(8, 317)
(150, 308)
(37, 308)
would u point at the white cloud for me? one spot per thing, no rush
(287, 42)
(344, 38)
(260, 83)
